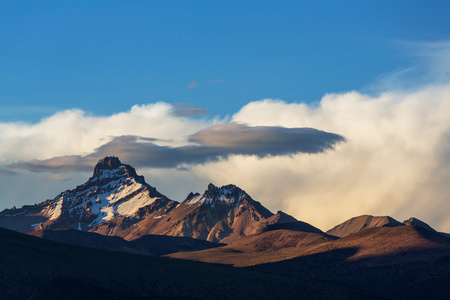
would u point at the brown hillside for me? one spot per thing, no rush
(270, 246)
(362, 222)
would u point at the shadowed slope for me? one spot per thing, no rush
(405, 262)
(269, 246)
(147, 245)
(405, 243)
(417, 222)
(293, 225)
(402, 262)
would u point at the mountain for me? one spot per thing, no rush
(220, 214)
(113, 190)
(362, 222)
(116, 201)
(364, 257)
(357, 224)
(34, 268)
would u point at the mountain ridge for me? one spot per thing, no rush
(155, 245)
(115, 200)
(220, 214)
(363, 222)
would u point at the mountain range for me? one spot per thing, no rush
(116, 201)
(116, 210)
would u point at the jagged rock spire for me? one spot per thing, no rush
(113, 163)
(107, 163)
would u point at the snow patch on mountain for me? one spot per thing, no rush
(55, 211)
(228, 194)
(196, 199)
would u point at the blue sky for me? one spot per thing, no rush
(323, 109)
(105, 56)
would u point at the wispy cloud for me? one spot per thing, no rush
(192, 85)
(7, 172)
(58, 177)
(429, 65)
(188, 110)
(217, 80)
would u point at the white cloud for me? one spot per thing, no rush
(73, 132)
(58, 177)
(192, 85)
(395, 161)
(435, 58)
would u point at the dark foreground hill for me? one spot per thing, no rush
(404, 262)
(34, 268)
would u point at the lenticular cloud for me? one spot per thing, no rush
(212, 144)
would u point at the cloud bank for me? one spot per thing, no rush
(395, 160)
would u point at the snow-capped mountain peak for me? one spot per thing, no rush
(229, 194)
(114, 190)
